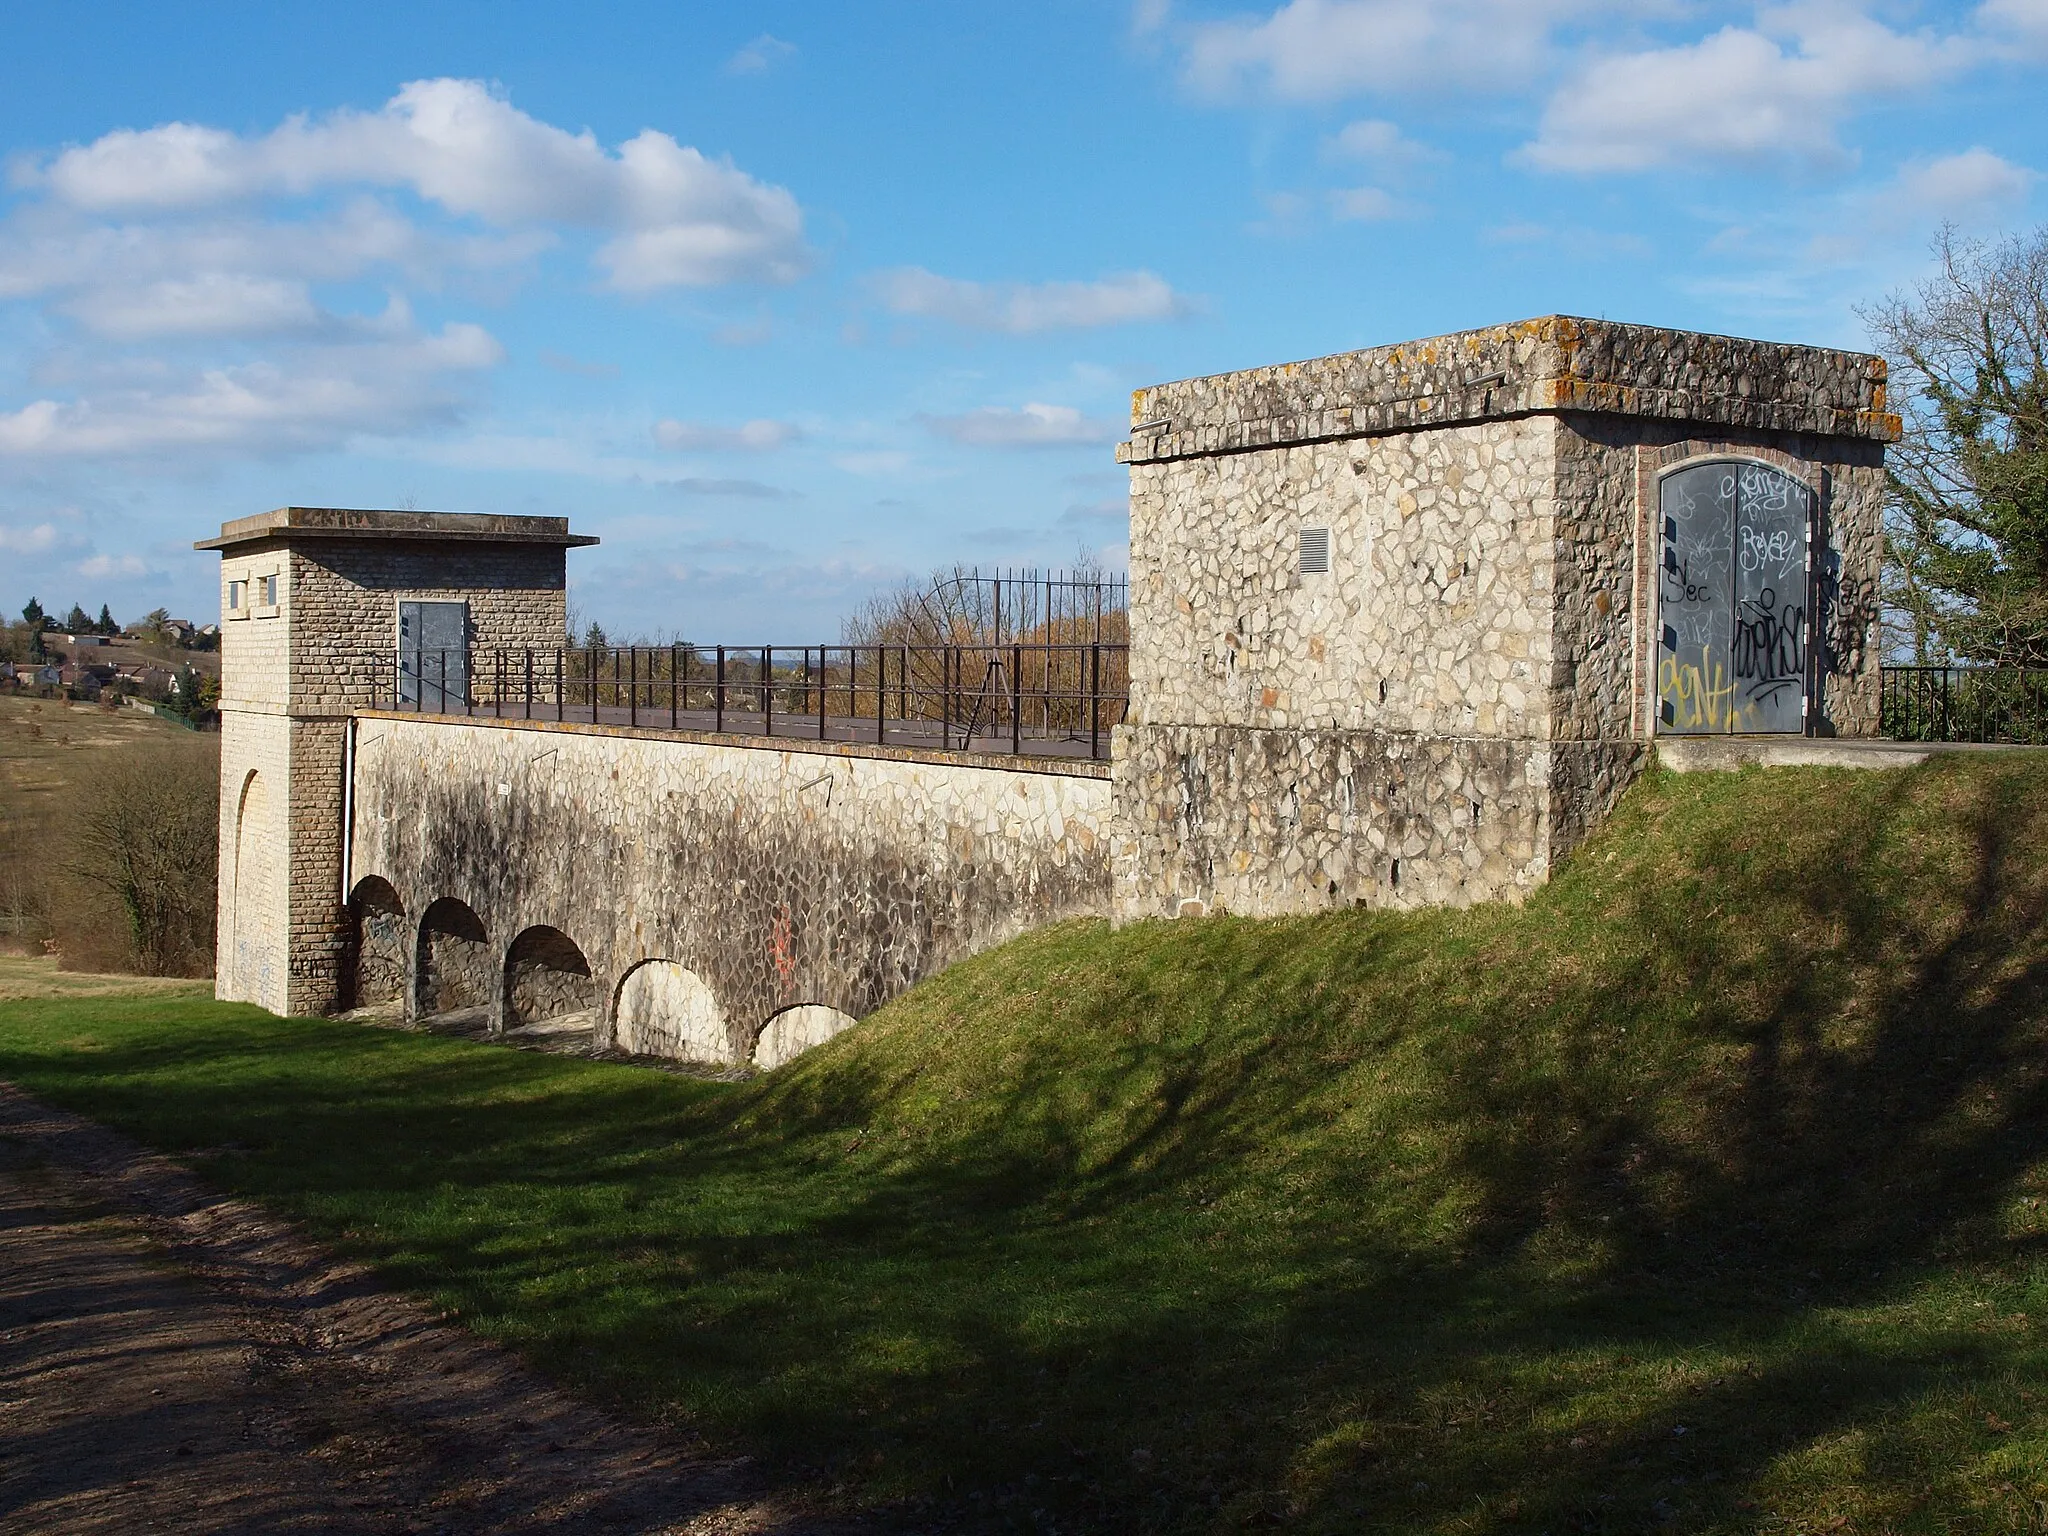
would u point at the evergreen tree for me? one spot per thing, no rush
(105, 623)
(33, 616)
(77, 621)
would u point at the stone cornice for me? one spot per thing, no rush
(1553, 364)
(287, 524)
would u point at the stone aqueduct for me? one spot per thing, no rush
(1403, 623)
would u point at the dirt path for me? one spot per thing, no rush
(171, 1360)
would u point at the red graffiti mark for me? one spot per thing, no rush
(782, 944)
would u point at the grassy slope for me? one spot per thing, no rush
(1704, 1193)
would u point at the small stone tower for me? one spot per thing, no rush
(317, 604)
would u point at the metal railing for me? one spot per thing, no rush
(1044, 700)
(1966, 703)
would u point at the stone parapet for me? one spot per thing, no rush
(800, 746)
(1552, 364)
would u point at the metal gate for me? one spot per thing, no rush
(433, 657)
(1733, 600)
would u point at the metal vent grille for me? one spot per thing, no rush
(1315, 552)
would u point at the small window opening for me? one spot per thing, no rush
(1315, 551)
(1383, 690)
(1394, 874)
(238, 596)
(1475, 813)
(266, 586)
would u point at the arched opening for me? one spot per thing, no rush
(456, 966)
(546, 977)
(791, 1032)
(666, 1009)
(256, 903)
(375, 974)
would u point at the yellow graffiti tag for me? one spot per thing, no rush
(1699, 695)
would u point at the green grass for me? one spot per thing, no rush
(1703, 1193)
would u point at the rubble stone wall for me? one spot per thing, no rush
(1434, 615)
(1267, 822)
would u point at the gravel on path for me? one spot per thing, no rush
(175, 1360)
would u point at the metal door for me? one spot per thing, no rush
(433, 657)
(1732, 600)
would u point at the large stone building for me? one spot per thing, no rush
(1405, 621)
(1403, 624)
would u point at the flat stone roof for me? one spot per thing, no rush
(413, 527)
(1555, 363)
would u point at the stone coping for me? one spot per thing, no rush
(430, 527)
(1718, 754)
(1555, 363)
(995, 762)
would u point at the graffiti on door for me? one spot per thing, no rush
(1733, 599)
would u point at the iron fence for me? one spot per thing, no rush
(1969, 703)
(1047, 700)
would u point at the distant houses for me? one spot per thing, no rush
(32, 674)
(89, 679)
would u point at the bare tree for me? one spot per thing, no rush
(142, 842)
(1967, 523)
(958, 606)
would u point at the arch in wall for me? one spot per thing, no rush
(666, 1009)
(455, 965)
(375, 971)
(255, 900)
(546, 976)
(791, 1031)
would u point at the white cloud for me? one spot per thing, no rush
(1148, 16)
(1974, 189)
(1742, 96)
(1366, 205)
(759, 56)
(1377, 142)
(100, 566)
(1032, 426)
(876, 462)
(208, 304)
(234, 272)
(34, 540)
(392, 380)
(758, 436)
(1963, 187)
(1023, 308)
(1322, 49)
(677, 217)
(2024, 22)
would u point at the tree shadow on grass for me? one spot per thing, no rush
(1664, 1202)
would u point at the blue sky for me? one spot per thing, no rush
(790, 301)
